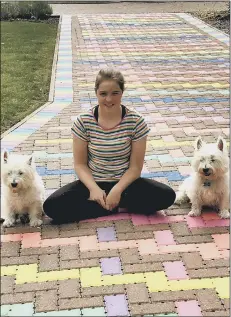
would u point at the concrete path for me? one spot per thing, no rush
(177, 73)
(138, 7)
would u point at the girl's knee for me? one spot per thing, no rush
(48, 207)
(170, 196)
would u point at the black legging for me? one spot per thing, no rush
(143, 196)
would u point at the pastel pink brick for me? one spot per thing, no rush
(189, 130)
(168, 138)
(177, 248)
(59, 241)
(175, 270)
(123, 216)
(209, 251)
(217, 223)
(116, 245)
(156, 219)
(139, 220)
(147, 246)
(188, 308)
(164, 237)
(176, 153)
(11, 237)
(31, 240)
(195, 222)
(120, 216)
(225, 254)
(185, 170)
(222, 241)
(161, 126)
(87, 243)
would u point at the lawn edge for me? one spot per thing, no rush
(52, 86)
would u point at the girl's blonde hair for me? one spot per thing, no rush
(110, 74)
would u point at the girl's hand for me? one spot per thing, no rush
(113, 198)
(98, 195)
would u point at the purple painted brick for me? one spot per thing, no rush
(106, 234)
(111, 266)
(116, 305)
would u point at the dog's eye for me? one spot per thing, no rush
(9, 173)
(212, 160)
(20, 172)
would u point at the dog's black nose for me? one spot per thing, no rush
(205, 170)
(14, 184)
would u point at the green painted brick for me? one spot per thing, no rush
(169, 315)
(71, 312)
(97, 311)
(5, 310)
(18, 310)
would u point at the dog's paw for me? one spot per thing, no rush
(224, 214)
(194, 213)
(8, 223)
(36, 222)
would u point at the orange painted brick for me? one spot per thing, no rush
(210, 216)
(11, 237)
(31, 240)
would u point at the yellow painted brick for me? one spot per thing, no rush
(51, 141)
(156, 281)
(222, 286)
(8, 270)
(26, 273)
(58, 275)
(90, 277)
(190, 284)
(159, 143)
(123, 279)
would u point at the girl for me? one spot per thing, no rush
(109, 143)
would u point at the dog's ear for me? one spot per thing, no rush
(198, 143)
(5, 156)
(221, 144)
(30, 160)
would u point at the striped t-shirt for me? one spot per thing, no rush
(109, 150)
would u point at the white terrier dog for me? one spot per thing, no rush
(208, 185)
(22, 190)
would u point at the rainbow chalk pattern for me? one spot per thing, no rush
(177, 76)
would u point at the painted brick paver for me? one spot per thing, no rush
(177, 76)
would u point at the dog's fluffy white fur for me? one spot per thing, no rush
(22, 189)
(208, 185)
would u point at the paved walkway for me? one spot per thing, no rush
(177, 76)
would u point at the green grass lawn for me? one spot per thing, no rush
(27, 51)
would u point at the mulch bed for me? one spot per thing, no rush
(219, 20)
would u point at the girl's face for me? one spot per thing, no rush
(109, 94)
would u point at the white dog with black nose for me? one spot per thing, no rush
(22, 190)
(208, 185)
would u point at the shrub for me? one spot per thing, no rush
(25, 10)
(41, 10)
